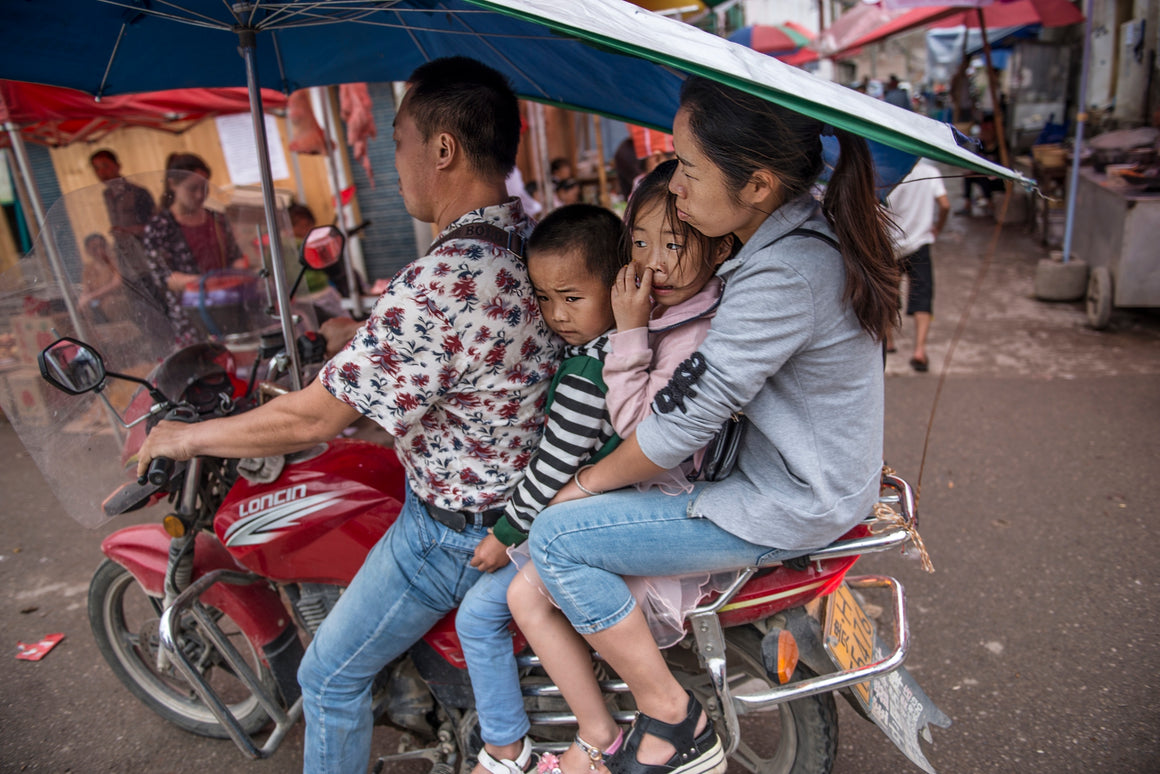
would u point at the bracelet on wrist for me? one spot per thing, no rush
(581, 487)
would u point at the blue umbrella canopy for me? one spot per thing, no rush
(603, 56)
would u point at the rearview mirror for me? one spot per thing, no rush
(323, 247)
(71, 366)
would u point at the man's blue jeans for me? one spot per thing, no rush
(414, 575)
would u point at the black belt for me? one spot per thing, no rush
(458, 520)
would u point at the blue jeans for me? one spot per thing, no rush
(582, 548)
(482, 626)
(412, 577)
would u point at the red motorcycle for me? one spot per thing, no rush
(205, 614)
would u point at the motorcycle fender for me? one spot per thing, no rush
(143, 550)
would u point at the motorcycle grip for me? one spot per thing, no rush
(160, 469)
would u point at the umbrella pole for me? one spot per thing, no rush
(278, 267)
(1080, 118)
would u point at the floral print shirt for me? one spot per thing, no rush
(454, 361)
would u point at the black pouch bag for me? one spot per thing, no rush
(721, 453)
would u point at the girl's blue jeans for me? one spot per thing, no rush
(582, 548)
(417, 573)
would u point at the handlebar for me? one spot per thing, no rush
(159, 472)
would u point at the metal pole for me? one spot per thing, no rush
(278, 267)
(993, 85)
(601, 175)
(1080, 118)
(53, 251)
(334, 151)
(50, 246)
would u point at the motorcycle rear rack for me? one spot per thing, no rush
(709, 635)
(187, 600)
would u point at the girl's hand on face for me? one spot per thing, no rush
(631, 303)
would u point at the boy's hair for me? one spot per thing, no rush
(473, 103)
(653, 190)
(590, 231)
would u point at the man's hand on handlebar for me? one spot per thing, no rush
(168, 439)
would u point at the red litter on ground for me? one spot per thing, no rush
(37, 650)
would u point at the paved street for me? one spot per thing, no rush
(1037, 633)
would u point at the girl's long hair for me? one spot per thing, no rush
(741, 134)
(653, 190)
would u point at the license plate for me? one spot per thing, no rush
(849, 637)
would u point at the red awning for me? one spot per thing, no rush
(53, 116)
(869, 24)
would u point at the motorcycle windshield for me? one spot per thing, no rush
(104, 271)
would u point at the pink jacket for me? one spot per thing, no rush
(641, 361)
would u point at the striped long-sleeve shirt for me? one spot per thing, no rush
(577, 431)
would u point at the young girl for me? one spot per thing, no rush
(796, 343)
(659, 324)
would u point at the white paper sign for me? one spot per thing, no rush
(237, 138)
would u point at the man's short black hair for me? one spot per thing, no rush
(104, 153)
(473, 103)
(591, 231)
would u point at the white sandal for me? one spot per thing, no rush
(504, 766)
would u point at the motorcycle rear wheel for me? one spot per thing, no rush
(797, 737)
(125, 618)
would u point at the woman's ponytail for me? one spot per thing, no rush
(862, 227)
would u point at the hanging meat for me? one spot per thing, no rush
(354, 100)
(306, 136)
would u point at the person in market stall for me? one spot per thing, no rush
(129, 207)
(185, 241)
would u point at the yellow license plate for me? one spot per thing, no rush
(849, 636)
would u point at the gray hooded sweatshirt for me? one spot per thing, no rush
(786, 348)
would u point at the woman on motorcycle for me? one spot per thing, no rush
(796, 344)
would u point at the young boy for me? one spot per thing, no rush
(574, 255)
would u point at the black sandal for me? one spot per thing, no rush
(696, 754)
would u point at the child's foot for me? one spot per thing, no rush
(505, 759)
(580, 758)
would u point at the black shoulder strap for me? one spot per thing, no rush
(483, 232)
(809, 232)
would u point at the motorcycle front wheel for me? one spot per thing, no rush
(125, 619)
(796, 737)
